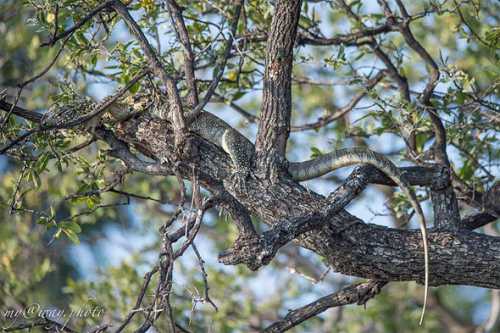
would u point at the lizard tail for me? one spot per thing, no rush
(326, 163)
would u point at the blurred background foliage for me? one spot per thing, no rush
(62, 246)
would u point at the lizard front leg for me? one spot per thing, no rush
(241, 156)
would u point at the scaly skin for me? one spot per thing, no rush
(241, 151)
(217, 131)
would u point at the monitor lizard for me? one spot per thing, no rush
(242, 154)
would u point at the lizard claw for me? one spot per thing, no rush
(239, 178)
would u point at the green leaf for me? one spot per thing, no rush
(315, 152)
(43, 220)
(90, 202)
(238, 95)
(135, 88)
(41, 164)
(81, 39)
(58, 233)
(34, 177)
(460, 98)
(72, 236)
(73, 226)
(467, 170)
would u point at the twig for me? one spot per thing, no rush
(357, 293)
(321, 122)
(138, 303)
(201, 262)
(194, 231)
(33, 79)
(244, 113)
(77, 26)
(183, 36)
(137, 196)
(80, 146)
(16, 189)
(220, 65)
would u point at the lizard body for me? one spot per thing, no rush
(220, 133)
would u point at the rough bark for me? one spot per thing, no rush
(274, 125)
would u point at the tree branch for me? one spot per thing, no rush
(444, 201)
(183, 36)
(349, 246)
(221, 63)
(479, 220)
(322, 121)
(78, 25)
(260, 251)
(355, 38)
(175, 105)
(358, 293)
